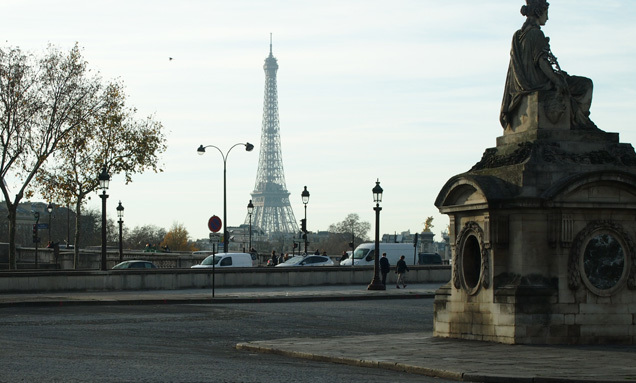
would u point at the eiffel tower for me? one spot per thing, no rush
(272, 212)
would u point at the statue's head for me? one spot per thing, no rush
(535, 8)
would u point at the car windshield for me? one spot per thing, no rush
(360, 253)
(212, 259)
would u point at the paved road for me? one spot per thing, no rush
(184, 335)
(195, 342)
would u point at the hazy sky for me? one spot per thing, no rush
(407, 91)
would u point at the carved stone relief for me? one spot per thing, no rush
(472, 261)
(602, 258)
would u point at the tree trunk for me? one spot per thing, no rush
(12, 216)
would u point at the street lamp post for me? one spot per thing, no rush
(250, 210)
(49, 208)
(201, 150)
(353, 246)
(120, 214)
(305, 197)
(104, 179)
(68, 225)
(376, 283)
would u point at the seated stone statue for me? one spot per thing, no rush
(534, 68)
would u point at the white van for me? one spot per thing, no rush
(365, 253)
(226, 260)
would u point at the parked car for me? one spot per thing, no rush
(310, 260)
(226, 260)
(136, 264)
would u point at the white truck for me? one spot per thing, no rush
(365, 253)
(227, 260)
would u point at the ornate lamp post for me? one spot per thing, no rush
(120, 215)
(376, 283)
(104, 179)
(250, 210)
(49, 208)
(201, 150)
(305, 197)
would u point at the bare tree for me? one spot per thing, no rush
(112, 138)
(41, 101)
(138, 237)
(341, 234)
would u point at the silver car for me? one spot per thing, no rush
(309, 260)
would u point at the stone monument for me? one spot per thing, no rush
(543, 228)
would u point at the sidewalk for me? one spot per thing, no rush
(221, 295)
(418, 353)
(468, 361)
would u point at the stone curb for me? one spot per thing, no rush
(400, 367)
(419, 370)
(218, 300)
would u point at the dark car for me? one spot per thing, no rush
(429, 259)
(135, 265)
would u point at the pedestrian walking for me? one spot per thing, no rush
(273, 260)
(400, 269)
(385, 267)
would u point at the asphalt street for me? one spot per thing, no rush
(195, 342)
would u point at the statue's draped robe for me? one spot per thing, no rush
(529, 46)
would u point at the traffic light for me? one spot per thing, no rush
(415, 240)
(35, 234)
(295, 245)
(303, 225)
(351, 245)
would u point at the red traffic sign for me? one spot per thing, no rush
(214, 224)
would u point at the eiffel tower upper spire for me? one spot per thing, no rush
(272, 210)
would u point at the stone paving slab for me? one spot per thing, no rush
(463, 360)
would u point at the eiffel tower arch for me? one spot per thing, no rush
(272, 211)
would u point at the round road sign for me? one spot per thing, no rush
(214, 224)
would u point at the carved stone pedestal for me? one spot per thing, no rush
(542, 232)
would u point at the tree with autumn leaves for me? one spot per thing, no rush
(59, 124)
(178, 239)
(114, 139)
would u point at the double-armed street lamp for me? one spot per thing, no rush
(376, 283)
(104, 179)
(120, 215)
(250, 210)
(305, 197)
(201, 150)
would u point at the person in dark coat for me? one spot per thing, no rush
(273, 261)
(400, 269)
(385, 267)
